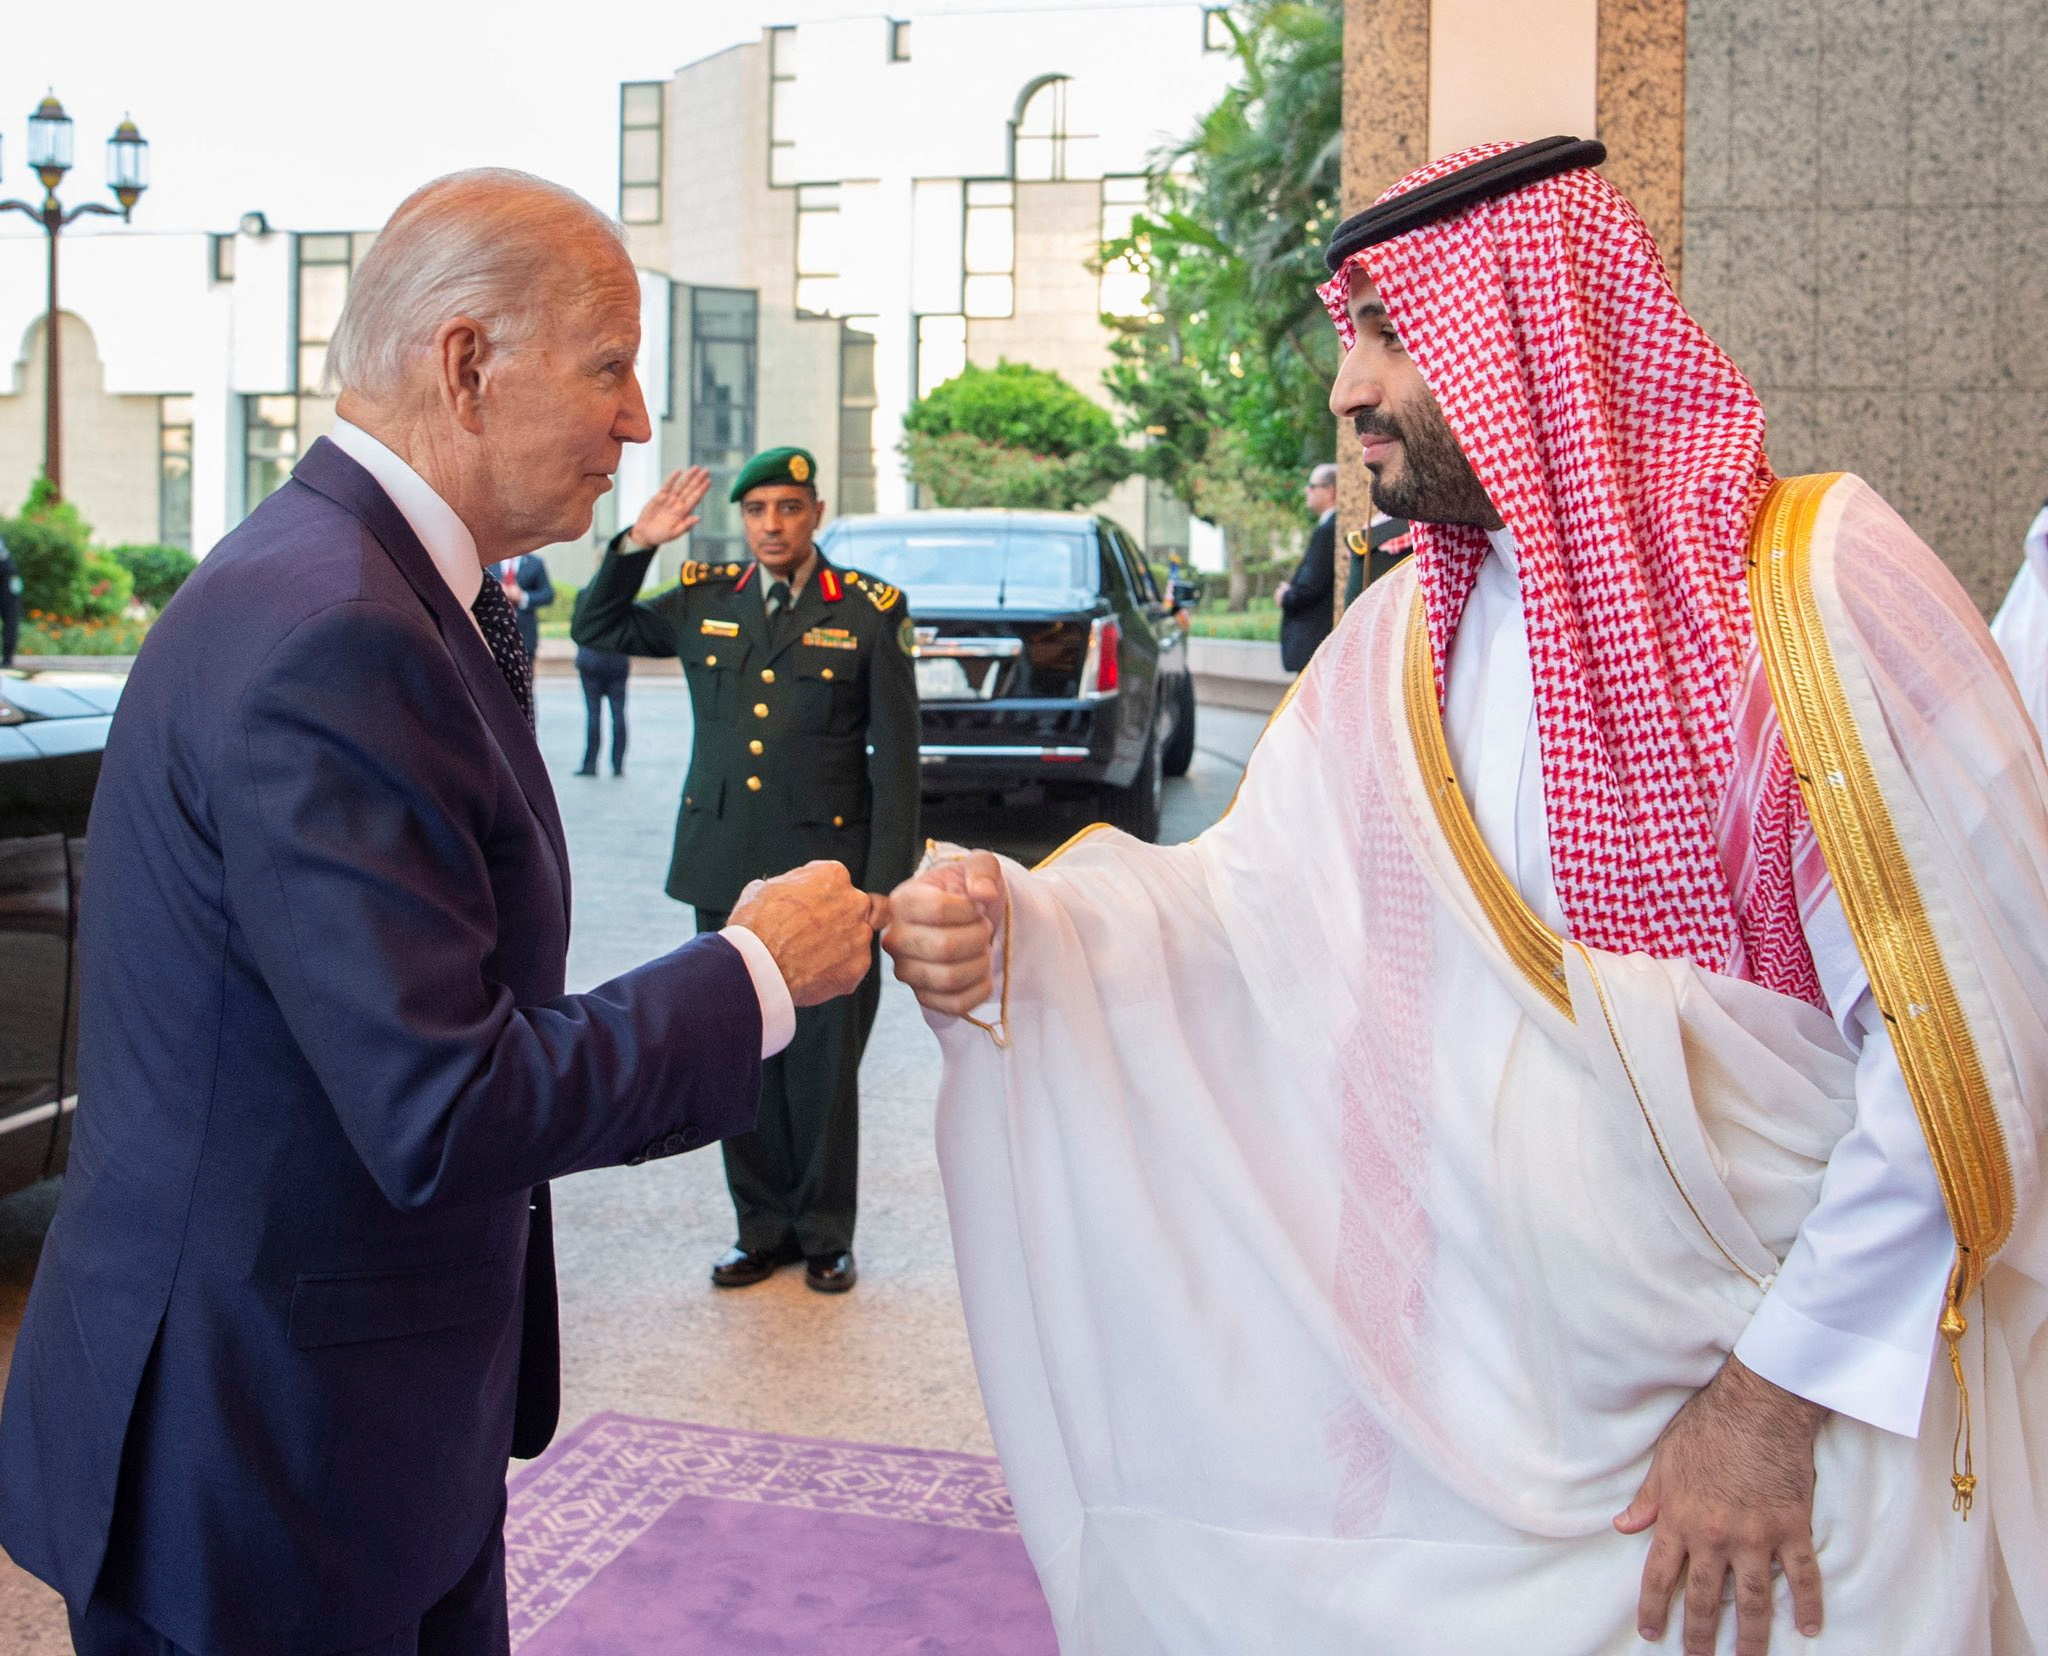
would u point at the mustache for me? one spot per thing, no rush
(1368, 423)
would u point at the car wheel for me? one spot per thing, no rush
(1136, 809)
(1180, 746)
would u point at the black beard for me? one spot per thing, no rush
(1436, 483)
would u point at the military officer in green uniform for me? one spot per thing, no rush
(805, 707)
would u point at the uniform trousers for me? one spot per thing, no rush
(602, 685)
(468, 1620)
(794, 1177)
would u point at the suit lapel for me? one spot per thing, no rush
(329, 472)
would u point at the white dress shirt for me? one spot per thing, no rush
(1849, 1321)
(453, 551)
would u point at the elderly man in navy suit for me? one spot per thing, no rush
(298, 1304)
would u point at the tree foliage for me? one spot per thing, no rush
(1012, 435)
(1228, 376)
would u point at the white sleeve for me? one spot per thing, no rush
(778, 1011)
(1850, 1321)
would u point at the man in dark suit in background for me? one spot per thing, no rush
(1308, 601)
(529, 591)
(298, 1303)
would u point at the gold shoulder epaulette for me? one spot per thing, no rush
(882, 595)
(1358, 543)
(696, 574)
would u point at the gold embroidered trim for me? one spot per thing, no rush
(1887, 916)
(1073, 840)
(1536, 950)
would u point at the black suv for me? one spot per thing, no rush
(53, 727)
(1045, 654)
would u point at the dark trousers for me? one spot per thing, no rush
(794, 1177)
(468, 1620)
(599, 688)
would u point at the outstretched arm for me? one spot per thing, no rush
(941, 933)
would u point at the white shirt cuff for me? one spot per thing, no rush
(1852, 1374)
(778, 1011)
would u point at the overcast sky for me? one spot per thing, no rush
(324, 116)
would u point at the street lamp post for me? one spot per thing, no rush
(49, 158)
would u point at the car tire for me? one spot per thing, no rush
(1136, 809)
(1179, 752)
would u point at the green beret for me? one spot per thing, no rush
(777, 465)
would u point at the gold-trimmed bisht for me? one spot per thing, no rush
(1887, 916)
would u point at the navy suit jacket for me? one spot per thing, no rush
(531, 571)
(298, 1305)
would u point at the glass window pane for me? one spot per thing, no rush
(941, 350)
(640, 204)
(1034, 161)
(782, 112)
(640, 156)
(1127, 188)
(1215, 32)
(361, 243)
(177, 411)
(722, 313)
(823, 198)
(1041, 117)
(323, 288)
(276, 411)
(323, 250)
(312, 369)
(899, 42)
(223, 258)
(857, 369)
(782, 163)
(817, 295)
(989, 295)
(782, 51)
(990, 192)
(991, 245)
(817, 244)
(640, 104)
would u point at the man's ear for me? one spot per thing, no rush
(817, 513)
(462, 353)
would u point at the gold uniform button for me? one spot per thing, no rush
(755, 747)
(839, 822)
(753, 784)
(760, 710)
(711, 661)
(828, 672)
(767, 675)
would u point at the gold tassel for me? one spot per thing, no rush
(1963, 1473)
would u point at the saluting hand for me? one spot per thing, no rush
(672, 509)
(941, 928)
(819, 926)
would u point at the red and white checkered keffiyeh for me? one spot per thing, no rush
(1626, 453)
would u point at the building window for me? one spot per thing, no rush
(817, 249)
(1042, 143)
(1216, 33)
(782, 106)
(174, 471)
(857, 415)
(223, 257)
(1126, 288)
(941, 351)
(324, 266)
(640, 117)
(270, 441)
(989, 248)
(722, 351)
(899, 41)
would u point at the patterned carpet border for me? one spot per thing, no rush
(614, 1477)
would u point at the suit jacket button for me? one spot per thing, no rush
(827, 673)
(760, 710)
(711, 661)
(767, 675)
(839, 822)
(753, 784)
(755, 748)
(675, 1144)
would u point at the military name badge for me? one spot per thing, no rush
(720, 629)
(831, 638)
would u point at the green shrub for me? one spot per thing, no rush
(109, 589)
(1015, 436)
(51, 564)
(157, 571)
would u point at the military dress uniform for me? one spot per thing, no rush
(805, 747)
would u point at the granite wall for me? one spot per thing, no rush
(1866, 232)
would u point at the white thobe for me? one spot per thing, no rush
(1850, 1319)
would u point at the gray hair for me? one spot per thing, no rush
(1323, 476)
(488, 244)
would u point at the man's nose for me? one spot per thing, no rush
(632, 424)
(1354, 388)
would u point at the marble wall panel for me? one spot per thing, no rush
(1866, 123)
(1948, 322)
(1709, 105)
(1860, 288)
(1943, 483)
(2020, 295)
(1953, 155)
(2023, 110)
(1774, 124)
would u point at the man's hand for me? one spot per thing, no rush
(672, 509)
(819, 926)
(941, 931)
(1730, 1488)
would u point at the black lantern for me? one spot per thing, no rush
(127, 164)
(49, 142)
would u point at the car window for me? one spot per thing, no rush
(1141, 571)
(1133, 567)
(1003, 561)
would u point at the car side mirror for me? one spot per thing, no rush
(1187, 593)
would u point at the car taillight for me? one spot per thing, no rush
(1099, 670)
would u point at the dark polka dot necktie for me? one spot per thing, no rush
(493, 612)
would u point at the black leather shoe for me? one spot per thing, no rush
(831, 1273)
(586, 770)
(743, 1267)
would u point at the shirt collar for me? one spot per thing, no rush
(1503, 543)
(798, 579)
(449, 544)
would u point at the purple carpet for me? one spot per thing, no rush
(634, 1536)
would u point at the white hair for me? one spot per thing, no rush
(491, 244)
(1323, 477)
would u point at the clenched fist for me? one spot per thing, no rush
(819, 926)
(942, 927)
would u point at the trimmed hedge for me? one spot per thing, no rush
(157, 571)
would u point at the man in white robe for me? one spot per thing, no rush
(1658, 866)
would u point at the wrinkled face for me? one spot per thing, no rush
(559, 408)
(1418, 470)
(781, 520)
